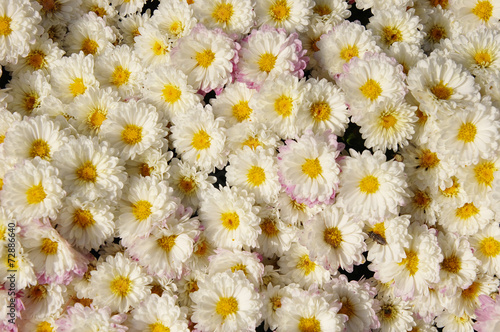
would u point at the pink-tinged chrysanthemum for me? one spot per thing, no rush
(488, 314)
(83, 318)
(41, 300)
(308, 169)
(207, 57)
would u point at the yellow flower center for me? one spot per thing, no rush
(483, 10)
(428, 159)
(483, 58)
(176, 28)
(89, 46)
(222, 13)
(35, 194)
(38, 292)
(453, 189)
(442, 3)
(132, 134)
(279, 11)
(171, 93)
(205, 58)
(241, 111)
(239, 267)
(466, 211)
(99, 11)
(192, 286)
(167, 242)
(40, 148)
(87, 172)
(77, 87)
(314, 45)
(5, 28)
(421, 199)
(158, 327)
(489, 247)
(441, 91)
(159, 48)
(187, 185)
(121, 286)
(49, 247)
(306, 265)
(276, 302)
(391, 35)
(2, 138)
(347, 308)
(388, 312)
(312, 168)
(141, 210)
(31, 101)
(379, 228)
(202, 248)
(410, 262)
(322, 10)
(436, 33)
(83, 218)
(483, 172)
(145, 170)
(256, 176)
(348, 52)
(120, 76)
(283, 106)
(451, 264)
(467, 132)
(333, 237)
(309, 324)
(226, 306)
(36, 59)
(387, 121)
(371, 89)
(471, 292)
(44, 327)
(96, 118)
(369, 184)
(252, 142)
(1, 184)
(422, 117)
(201, 140)
(268, 227)
(230, 220)
(320, 111)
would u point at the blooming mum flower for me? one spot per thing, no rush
(486, 244)
(90, 318)
(394, 314)
(174, 18)
(90, 35)
(233, 17)
(292, 15)
(233, 104)
(159, 313)
(152, 46)
(474, 13)
(466, 219)
(237, 260)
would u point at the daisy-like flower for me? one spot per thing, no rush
(226, 302)
(453, 323)
(84, 318)
(90, 169)
(272, 297)
(330, 11)
(292, 212)
(203, 249)
(233, 104)
(174, 18)
(475, 13)
(119, 283)
(235, 260)
(308, 169)
(232, 16)
(253, 135)
(466, 219)
(32, 190)
(207, 57)
(422, 205)
(486, 244)
(132, 128)
(440, 24)
(101, 8)
(335, 240)
(157, 313)
(229, 218)
(407, 55)
(90, 35)
(129, 26)
(199, 139)
(311, 37)
(394, 314)
(121, 70)
(292, 15)
(276, 237)
(152, 46)
(254, 171)
(370, 185)
(42, 300)
(29, 90)
(453, 195)
(18, 28)
(479, 179)
(151, 162)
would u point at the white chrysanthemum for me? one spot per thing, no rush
(308, 169)
(331, 12)
(370, 185)
(81, 318)
(43, 300)
(119, 283)
(466, 219)
(203, 249)
(151, 162)
(466, 301)
(86, 224)
(32, 190)
(71, 76)
(146, 203)
(394, 314)
(199, 138)
(335, 240)
(132, 128)
(440, 24)
(387, 239)
(18, 28)
(486, 246)
(229, 218)
(323, 108)
(479, 179)
(7, 119)
(389, 125)
(189, 284)
(233, 104)
(452, 323)
(101, 8)
(346, 41)
(293, 212)
(24, 275)
(60, 11)
(236, 260)
(29, 90)
(407, 55)
(490, 86)
(292, 15)
(475, 13)
(129, 26)
(296, 264)
(427, 306)
(174, 18)
(272, 297)
(422, 205)
(426, 129)
(127, 7)
(313, 34)
(254, 171)
(232, 16)
(152, 46)
(418, 269)
(207, 58)
(374, 79)
(47, 323)
(121, 70)
(90, 35)
(453, 195)
(159, 314)
(253, 135)
(277, 236)
(439, 84)
(90, 169)
(226, 302)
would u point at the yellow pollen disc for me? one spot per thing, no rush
(276, 302)
(136, 33)
(421, 199)
(167, 242)
(49, 247)
(87, 172)
(77, 87)
(483, 10)
(83, 218)
(190, 2)
(483, 58)
(388, 121)
(44, 327)
(205, 58)
(159, 48)
(283, 106)
(466, 211)
(158, 327)
(40, 148)
(121, 286)
(410, 262)
(314, 46)
(312, 168)
(489, 247)
(241, 111)
(388, 311)
(371, 89)
(379, 228)
(441, 91)
(192, 286)
(322, 10)
(347, 308)
(348, 52)
(201, 140)
(279, 11)
(391, 35)
(320, 111)
(145, 170)
(202, 248)
(99, 11)
(38, 292)
(298, 206)
(141, 210)
(36, 59)
(467, 132)
(269, 228)
(176, 28)
(89, 46)
(222, 13)
(369, 184)
(252, 142)
(35, 194)
(171, 93)
(310, 324)
(226, 306)
(239, 267)
(230, 220)
(333, 237)
(120, 76)
(2, 138)
(436, 33)
(5, 28)
(428, 159)
(453, 189)
(256, 176)
(422, 117)
(483, 172)
(187, 185)
(50, 6)
(471, 292)
(30, 102)
(442, 3)
(96, 118)
(451, 264)
(132, 134)
(306, 265)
